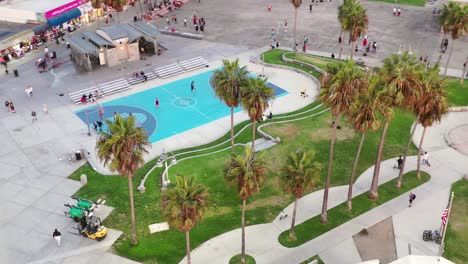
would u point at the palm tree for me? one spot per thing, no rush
(255, 97)
(338, 90)
(301, 173)
(364, 116)
(454, 19)
(226, 83)
(434, 100)
(353, 18)
(123, 148)
(296, 4)
(402, 76)
(118, 5)
(183, 206)
(343, 12)
(248, 172)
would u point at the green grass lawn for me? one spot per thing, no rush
(275, 57)
(237, 259)
(457, 94)
(224, 211)
(403, 2)
(319, 260)
(338, 215)
(457, 230)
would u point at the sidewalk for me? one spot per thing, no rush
(447, 167)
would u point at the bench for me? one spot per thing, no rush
(193, 64)
(133, 81)
(114, 86)
(169, 70)
(76, 96)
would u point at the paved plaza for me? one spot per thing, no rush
(34, 157)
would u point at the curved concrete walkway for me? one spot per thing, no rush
(337, 246)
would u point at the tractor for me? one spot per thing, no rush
(91, 227)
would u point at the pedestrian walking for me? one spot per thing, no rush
(272, 33)
(192, 86)
(283, 215)
(12, 107)
(285, 25)
(399, 11)
(57, 236)
(29, 90)
(46, 52)
(185, 22)
(157, 102)
(399, 163)
(412, 197)
(7, 105)
(394, 11)
(33, 116)
(95, 126)
(425, 159)
(168, 22)
(310, 8)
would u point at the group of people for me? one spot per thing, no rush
(90, 97)
(140, 75)
(396, 11)
(10, 107)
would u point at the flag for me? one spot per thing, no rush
(444, 216)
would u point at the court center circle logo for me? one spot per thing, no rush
(184, 102)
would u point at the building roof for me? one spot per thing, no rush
(96, 38)
(8, 29)
(146, 28)
(77, 41)
(33, 5)
(118, 31)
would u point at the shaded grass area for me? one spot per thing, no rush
(338, 215)
(457, 94)
(318, 61)
(237, 259)
(456, 238)
(402, 2)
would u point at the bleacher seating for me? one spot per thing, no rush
(169, 70)
(133, 81)
(193, 64)
(76, 96)
(114, 86)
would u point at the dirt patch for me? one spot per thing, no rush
(218, 211)
(270, 201)
(320, 134)
(287, 131)
(377, 242)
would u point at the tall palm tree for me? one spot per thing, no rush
(339, 87)
(248, 172)
(402, 76)
(343, 11)
(454, 18)
(226, 83)
(123, 148)
(255, 98)
(364, 116)
(434, 99)
(353, 18)
(296, 4)
(301, 173)
(183, 206)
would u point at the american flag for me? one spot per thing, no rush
(444, 216)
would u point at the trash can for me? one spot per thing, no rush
(78, 155)
(16, 73)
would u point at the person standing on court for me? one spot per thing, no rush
(57, 236)
(192, 86)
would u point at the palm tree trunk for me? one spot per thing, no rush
(293, 221)
(187, 244)
(132, 209)
(374, 191)
(323, 216)
(141, 9)
(232, 128)
(341, 46)
(418, 173)
(449, 57)
(243, 231)
(254, 126)
(353, 174)
(352, 49)
(295, 20)
(400, 174)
